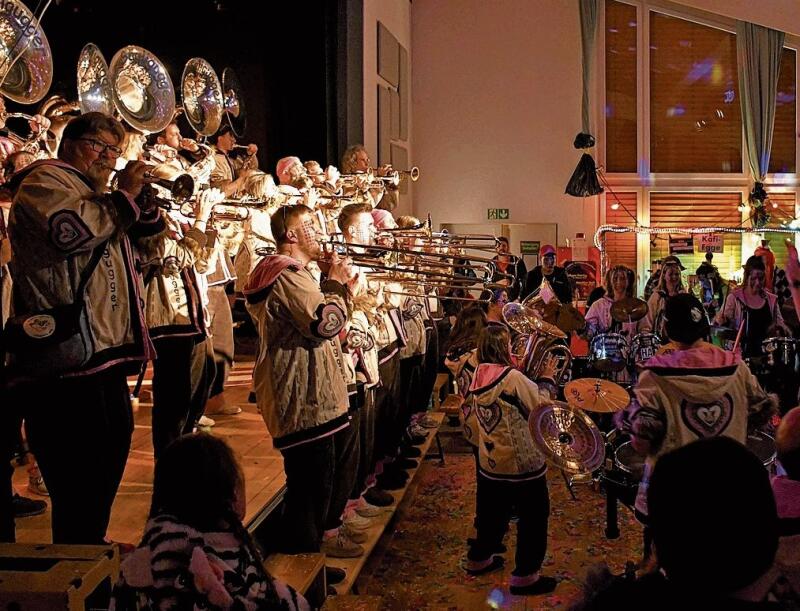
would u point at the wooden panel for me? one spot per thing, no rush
(388, 56)
(384, 125)
(621, 247)
(783, 155)
(399, 156)
(394, 114)
(621, 86)
(403, 89)
(698, 210)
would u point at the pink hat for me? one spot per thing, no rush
(383, 219)
(283, 166)
(547, 249)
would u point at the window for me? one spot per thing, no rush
(695, 120)
(782, 158)
(698, 210)
(621, 87)
(784, 212)
(621, 247)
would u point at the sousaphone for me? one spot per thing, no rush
(26, 63)
(94, 85)
(233, 102)
(141, 89)
(201, 93)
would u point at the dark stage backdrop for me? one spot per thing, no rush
(299, 62)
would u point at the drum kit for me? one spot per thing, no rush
(611, 353)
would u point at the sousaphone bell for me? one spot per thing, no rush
(26, 63)
(201, 93)
(141, 89)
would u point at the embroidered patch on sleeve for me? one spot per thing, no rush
(68, 232)
(329, 321)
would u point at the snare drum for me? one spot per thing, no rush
(780, 351)
(629, 461)
(609, 352)
(763, 446)
(644, 347)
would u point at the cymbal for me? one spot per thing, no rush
(596, 395)
(567, 438)
(629, 309)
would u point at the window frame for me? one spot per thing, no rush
(643, 181)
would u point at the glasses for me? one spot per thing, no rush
(98, 146)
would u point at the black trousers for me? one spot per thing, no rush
(313, 489)
(386, 406)
(409, 400)
(495, 502)
(80, 431)
(9, 423)
(346, 454)
(176, 392)
(366, 443)
(429, 369)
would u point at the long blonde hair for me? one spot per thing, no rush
(662, 279)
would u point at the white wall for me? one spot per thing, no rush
(395, 15)
(496, 104)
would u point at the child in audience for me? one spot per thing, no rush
(511, 471)
(196, 553)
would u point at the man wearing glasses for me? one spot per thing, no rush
(79, 422)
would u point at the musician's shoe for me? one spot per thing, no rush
(334, 575)
(26, 508)
(392, 481)
(542, 585)
(360, 521)
(354, 534)
(340, 546)
(410, 452)
(378, 498)
(205, 422)
(405, 463)
(427, 422)
(482, 568)
(216, 406)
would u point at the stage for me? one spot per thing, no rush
(246, 433)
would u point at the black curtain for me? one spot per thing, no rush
(296, 61)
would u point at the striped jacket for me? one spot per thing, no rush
(178, 567)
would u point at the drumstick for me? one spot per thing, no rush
(738, 335)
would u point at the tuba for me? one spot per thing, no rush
(26, 63)
(141, 89)
(536, 341)
(233, 102)
(94, 86)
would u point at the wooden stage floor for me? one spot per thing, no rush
(246, 432)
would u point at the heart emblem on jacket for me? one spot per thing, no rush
(707, 419)
(489, 416)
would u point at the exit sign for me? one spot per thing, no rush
(498, 214)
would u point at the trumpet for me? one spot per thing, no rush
(181, 188)
(29, 144)
(395, 176)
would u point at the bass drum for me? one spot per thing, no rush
(643, 347)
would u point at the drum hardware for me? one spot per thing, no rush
(763, 446)
(608, 352)
(628, 310)
(596, 395)
(563, 315)
(781, 352)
